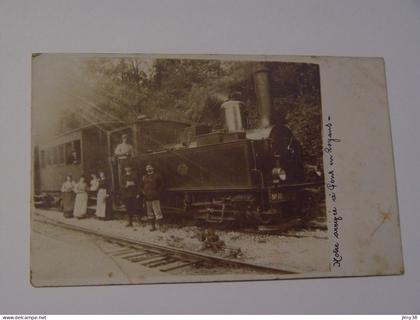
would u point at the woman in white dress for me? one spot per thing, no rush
(102, 197)
(68, 197)
(80, 204)
(94, 182)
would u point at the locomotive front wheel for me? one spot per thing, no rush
(269, 216)
(200, 222)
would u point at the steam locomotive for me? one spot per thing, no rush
(230, 176)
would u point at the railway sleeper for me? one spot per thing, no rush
(164, 262)
(145, 262)
(124, 252)
(182, 264)
(157, 260)
(145, 258)
(123, 245)
(136, 255)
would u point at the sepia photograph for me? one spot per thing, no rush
(151, 169)
(187, 158)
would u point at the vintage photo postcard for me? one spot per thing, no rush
(197, 168)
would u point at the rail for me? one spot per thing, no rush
(159, 255)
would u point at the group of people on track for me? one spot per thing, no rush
(75, 195)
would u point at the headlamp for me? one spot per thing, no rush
(278, 173)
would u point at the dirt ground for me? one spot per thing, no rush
(304, 251)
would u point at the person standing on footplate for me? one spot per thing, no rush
(123, 154)
(124, 150)
(152, 187)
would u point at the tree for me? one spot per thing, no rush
(193, 90)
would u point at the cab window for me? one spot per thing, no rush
(54, 152)
(116, 138)
(61, 154)
(48, 157)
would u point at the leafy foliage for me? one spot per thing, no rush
(192, 90)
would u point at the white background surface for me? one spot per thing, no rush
(389, 29)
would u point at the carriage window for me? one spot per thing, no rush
(42, 153)
(54, 155)
(73, 152)
(61, 154)
(156, 136)
(48, 157)
(69, 149)
(76, 152)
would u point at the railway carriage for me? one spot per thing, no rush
(77, 152)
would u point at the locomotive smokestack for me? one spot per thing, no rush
(263, 94)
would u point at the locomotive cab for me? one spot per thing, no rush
(145, 137)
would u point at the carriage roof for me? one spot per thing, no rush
(107, 127)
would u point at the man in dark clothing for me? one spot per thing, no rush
(129, 193)
(152, 186)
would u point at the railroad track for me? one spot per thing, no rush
(160, 257)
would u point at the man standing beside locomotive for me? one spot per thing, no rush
(129, 193)
(152, 187)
